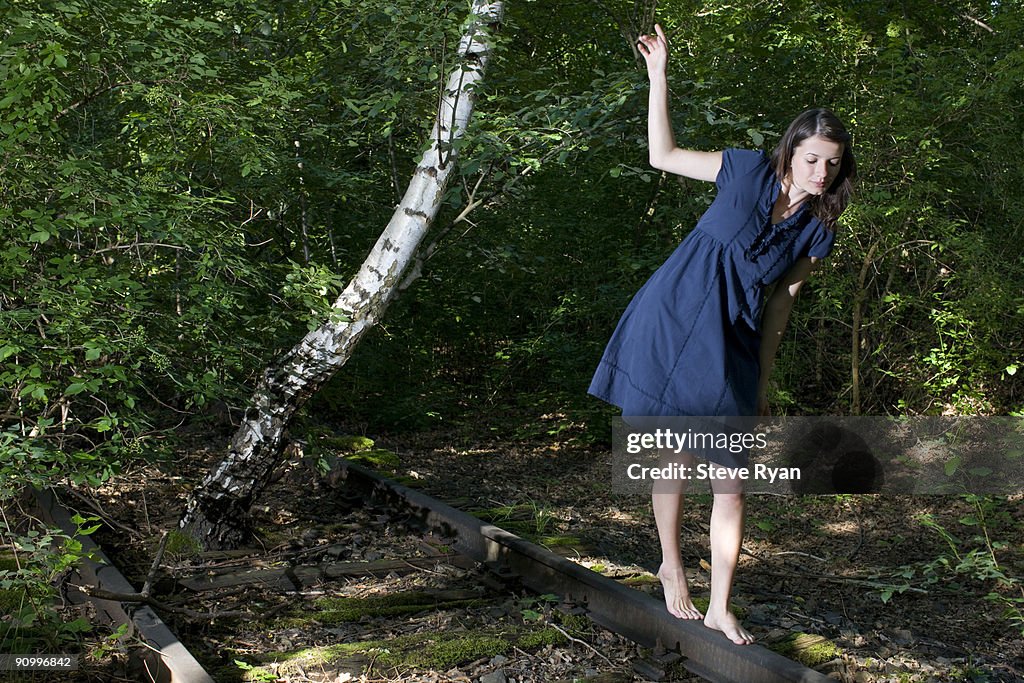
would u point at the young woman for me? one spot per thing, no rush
(699, 338)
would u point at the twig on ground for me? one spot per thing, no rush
(581, 642)
(155, 567)
(836, 579)
(797, 552)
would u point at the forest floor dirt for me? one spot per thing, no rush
(816, 565)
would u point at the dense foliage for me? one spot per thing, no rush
(918, 310)
(185, 186)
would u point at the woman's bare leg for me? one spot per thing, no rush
(667, 501)
(726, 537)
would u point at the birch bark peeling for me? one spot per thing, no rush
(217, 512)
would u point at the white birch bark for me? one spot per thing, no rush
(217, 512)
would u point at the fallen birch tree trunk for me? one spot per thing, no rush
(217, 512)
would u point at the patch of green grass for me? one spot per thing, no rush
(563, 541)
(10, 600)
(528, 520)
(503, 513)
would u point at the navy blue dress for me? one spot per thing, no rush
(689, 342)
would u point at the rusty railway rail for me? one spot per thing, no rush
(164, 659)
(628, 612)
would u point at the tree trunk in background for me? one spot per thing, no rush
(217, 513)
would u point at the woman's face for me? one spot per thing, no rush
(815, 164)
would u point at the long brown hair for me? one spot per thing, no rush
(828, 206)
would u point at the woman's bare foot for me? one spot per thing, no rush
(677, 593)
(728, 624)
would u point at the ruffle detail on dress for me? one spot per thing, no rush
(770, 232)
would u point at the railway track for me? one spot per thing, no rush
(628, 612)
(509, 559)
(164, 659)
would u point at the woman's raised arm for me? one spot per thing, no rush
(663, 152)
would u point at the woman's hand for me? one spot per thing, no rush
(655, 51)
(763, 407)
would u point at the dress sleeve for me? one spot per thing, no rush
(737, 163)
(823, 242)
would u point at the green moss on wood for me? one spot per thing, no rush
(376, 458)
(641, 580)
(182, 546)
(576, 623)
(703, 603)
(340, 609)
(443, 654)
(810, 650)
(417, 652)
(545, 636)
(346, 443)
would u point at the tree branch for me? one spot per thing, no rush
(978, 22)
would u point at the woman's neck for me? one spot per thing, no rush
(789, 201)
